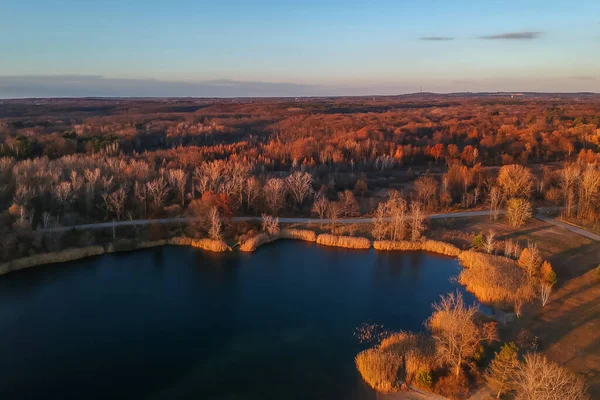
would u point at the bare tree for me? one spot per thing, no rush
(252, 189)
(320, 206)
(64, 194)
(334, 212)
(157, 190)
(299, 184)
(92, 177)
(140, 192)
(539, 379)
(489, 243)
(458, 336)
(270, 224)
(274, 192)
(215, 223)
(380, 225)
(589, 189)
(569, 180)
(495, 199)
(545, 291)
(426, 189)
(417, 218)
(518, 211)
(115, 201)
(397, 209)
(515, 181)
(178, 181)
(349, 203)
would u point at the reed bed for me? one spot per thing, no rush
(494, 279)
(217, 246)
(348, 242)
(298, 234)
(51, 258)
(432, 246)
(379, 369)
(262, 238)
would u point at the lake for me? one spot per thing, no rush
(180, 323)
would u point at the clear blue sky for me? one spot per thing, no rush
(160, 47)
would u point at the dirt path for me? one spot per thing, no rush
(569, 227)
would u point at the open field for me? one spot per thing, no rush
(568, 327)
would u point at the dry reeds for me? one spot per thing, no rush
(399, 357)
(379, 369)
(298, 234)
(349, 242)
(256, 241)
(494, 279)
(426, 245)
(50, 258)
(204, 244)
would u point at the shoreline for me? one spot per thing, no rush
(250, 245)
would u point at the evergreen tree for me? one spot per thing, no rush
(501, 373)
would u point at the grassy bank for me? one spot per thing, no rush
(217, 246)
(255, 242)
(432, 246)
(348, 242)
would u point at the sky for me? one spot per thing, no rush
(227, 48)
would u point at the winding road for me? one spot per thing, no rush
(460, 214)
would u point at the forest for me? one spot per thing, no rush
(72, 161)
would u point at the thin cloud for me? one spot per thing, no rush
(512, 36)
(436, 38)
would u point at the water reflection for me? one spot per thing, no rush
(177, 322)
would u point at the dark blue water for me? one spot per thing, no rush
(178, 323)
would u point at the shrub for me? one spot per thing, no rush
(424, 379)
(349, 242)
(453, 387)
(379, 369)
(478, 241)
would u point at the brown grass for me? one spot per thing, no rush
(262, 238)
(349, 242)
(417, 351)
(50, 258)
(426, 245)
(204, 244)
(379, 369)
(494, 279)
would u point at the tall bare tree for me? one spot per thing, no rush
(215, 223)
(178, 181)
(539, 379)
(320, 205)
(299, 185)
(252, 189)
(274, 192)
(569, 180)
(515, 181)
(417, 219)
(157, 190)
(456, 332)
